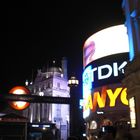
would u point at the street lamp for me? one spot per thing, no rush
(73, 81)
(74, 113)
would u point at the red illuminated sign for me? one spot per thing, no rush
(19, 105)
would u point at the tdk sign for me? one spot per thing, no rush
(113, 70)
(106, 70)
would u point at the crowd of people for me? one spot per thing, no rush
(111, 134)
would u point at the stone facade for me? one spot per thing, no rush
(52, 82)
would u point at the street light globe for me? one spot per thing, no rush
(73, 81)
(41, 93)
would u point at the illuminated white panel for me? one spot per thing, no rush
(112, 40)
(132, 112)
(35, 125)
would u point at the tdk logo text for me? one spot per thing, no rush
(106, 71)
(103, 74)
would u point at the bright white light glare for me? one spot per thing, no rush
(19, 91)
(132, 112)
(112, 40)
(19, 104)
(128, 123)
(84, 135)
(100, 112)
(86, 113)
(26, 83)
(73, 82)
(46, 125)
(103, 129)
(41, 93)
(93, 125)
(35, 125)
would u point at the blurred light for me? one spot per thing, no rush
(115, 36)
(93, 125)
(100, 112)
(73, 81)
(46, 126)
(19, 105)
(41, 93)
(81, 103)
(128, 123)
(84, 135)
(31, 83)
(35, 125)
(26, 83)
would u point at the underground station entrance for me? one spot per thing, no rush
(42, 131)
(27, 130)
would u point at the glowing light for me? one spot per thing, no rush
(41, 93)
(87, 86)
(73, 81)
(112, 96)
(19, 105)
(90, 103)
(112, 40)
(93, 125)
(132, 112)
(35, 125)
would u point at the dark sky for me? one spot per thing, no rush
(33, 33)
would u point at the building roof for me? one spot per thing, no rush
(55, 69)
(12, 117)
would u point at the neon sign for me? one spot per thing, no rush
(96, 75)
(105, 55)
(111, 70)
(99, 98)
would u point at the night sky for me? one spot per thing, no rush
(33, 33)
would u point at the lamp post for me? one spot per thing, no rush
(74, 113)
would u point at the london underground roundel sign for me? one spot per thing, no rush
(19, 105)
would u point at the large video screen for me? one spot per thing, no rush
(106, 42)
(105, 55)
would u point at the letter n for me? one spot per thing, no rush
(99, 99)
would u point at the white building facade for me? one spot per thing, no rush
(51, 82)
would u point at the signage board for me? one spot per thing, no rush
(105, 55)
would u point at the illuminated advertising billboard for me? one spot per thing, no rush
(109, 41)
(105, 55)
